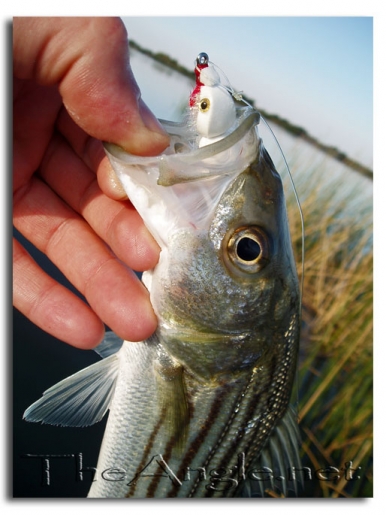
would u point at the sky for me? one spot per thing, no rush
(308, 62)
(317, 72)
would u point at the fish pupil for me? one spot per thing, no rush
(248, 249)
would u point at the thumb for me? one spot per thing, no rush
(89, 59)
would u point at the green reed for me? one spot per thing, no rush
(336, 362)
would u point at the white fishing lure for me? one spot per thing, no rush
(212, 106)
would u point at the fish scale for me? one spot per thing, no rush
(202, 406)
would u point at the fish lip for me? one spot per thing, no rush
(172, 160)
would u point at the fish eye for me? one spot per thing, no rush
(204, 105)
(248, 249)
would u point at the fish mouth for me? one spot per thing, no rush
(180, 188)
(182, 162)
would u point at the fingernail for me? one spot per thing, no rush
(159, 140)
(150, 120)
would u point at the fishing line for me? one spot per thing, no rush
(303, 244)
(298, 204)
(237, 95)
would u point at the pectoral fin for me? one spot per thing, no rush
(79, 400)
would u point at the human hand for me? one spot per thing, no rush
(73, 88)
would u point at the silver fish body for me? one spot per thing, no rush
(200, 408)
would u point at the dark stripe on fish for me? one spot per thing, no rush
(256, 441)
(166, 456)
(252, 408)
(200, 438)
(146, 454)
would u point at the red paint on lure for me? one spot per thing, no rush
(201, 63)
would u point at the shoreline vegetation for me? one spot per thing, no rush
(295, 130)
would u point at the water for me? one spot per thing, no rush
(40, 360)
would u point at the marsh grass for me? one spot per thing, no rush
(336, 361)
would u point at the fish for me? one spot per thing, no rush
(202, 408)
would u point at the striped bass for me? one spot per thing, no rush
(201, 408)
